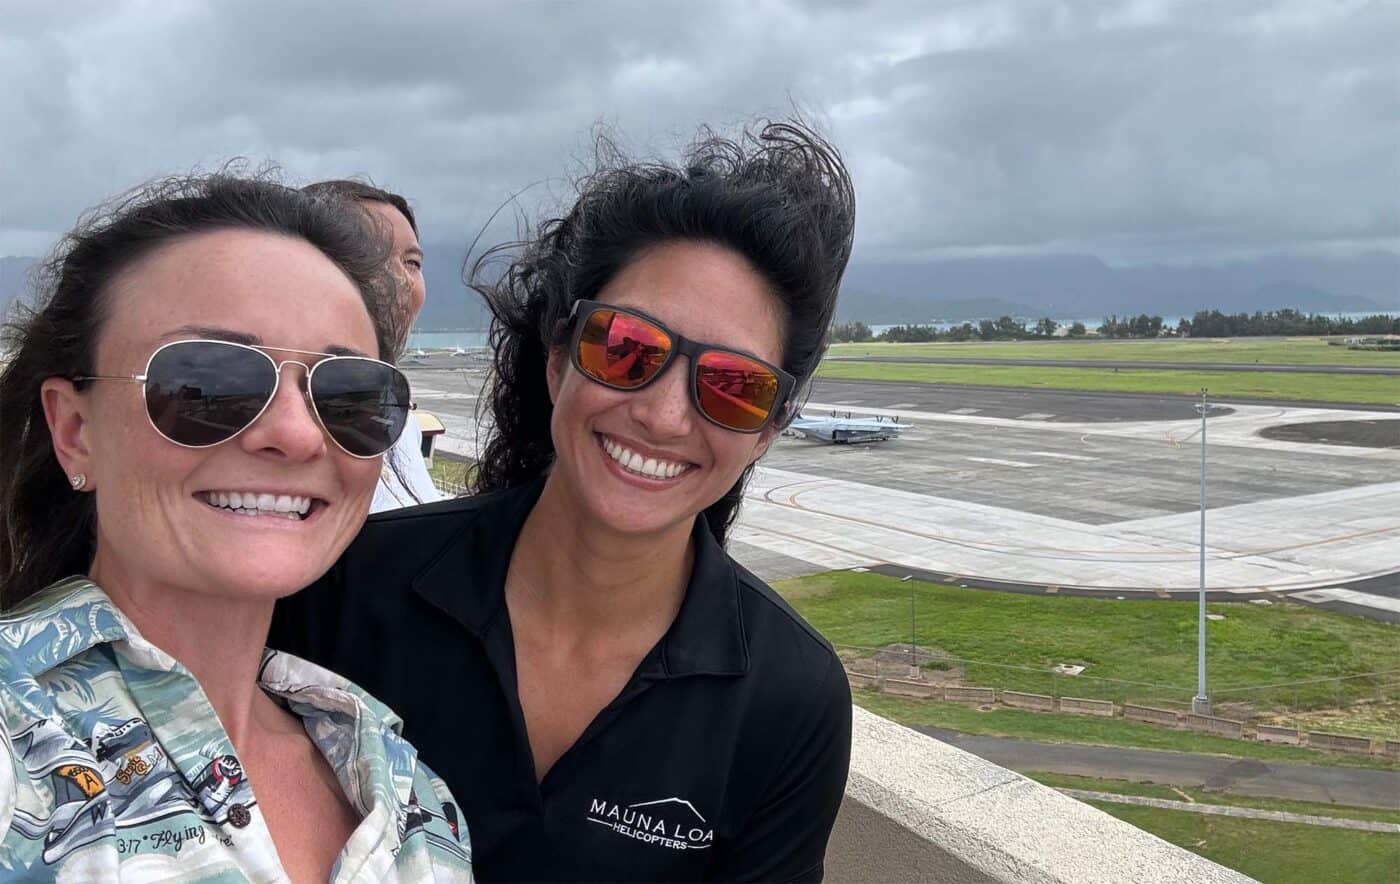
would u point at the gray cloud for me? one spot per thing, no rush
(1134, 130)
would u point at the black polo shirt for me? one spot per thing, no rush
(723, 758)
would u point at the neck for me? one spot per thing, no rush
(586, 579)
(217, 638)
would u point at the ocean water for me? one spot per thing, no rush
(446, 340)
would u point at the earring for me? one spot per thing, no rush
(77, 480)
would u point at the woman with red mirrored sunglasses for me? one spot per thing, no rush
(627, 702)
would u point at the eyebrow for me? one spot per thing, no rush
(215, 333)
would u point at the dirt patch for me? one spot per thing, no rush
(1378, 719)
(895, 659)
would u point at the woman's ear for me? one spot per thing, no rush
(765, 438)
(554, 369)
(65, 411)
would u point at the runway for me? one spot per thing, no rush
(1060, 491)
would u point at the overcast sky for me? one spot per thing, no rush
(1137, 131)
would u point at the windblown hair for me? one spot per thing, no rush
(356, 193)
(362, 191)
(777, 194)
(48, 532)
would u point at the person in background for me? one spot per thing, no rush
(195, 413)
(405, 481)
(612, 695)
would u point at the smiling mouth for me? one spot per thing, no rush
(262, 504)
(641, 465)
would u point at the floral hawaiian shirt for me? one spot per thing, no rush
(114, 767)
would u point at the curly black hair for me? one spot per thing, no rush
(777, 193)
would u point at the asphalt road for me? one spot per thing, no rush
(1365, 787)
(1159, 366)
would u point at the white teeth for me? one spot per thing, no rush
(645, 466)
(248, 503)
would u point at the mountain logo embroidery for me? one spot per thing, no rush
(671, 823)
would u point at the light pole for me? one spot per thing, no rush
(1200, 704)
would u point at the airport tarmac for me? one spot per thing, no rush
(1060, 490)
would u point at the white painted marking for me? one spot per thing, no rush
(439, 395)
(1350, 596)
(1059, 455)
(1034, 416)
(1000, 462)
(965, 411)
(902, 405)
(848, 402)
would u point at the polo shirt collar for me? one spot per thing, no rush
(466, 580)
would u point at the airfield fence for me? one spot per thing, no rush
(1249, 702)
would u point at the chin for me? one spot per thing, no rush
(268, 580)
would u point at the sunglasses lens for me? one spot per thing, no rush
(621, 350)
(363, 404)
(735, 391)
(204, 392)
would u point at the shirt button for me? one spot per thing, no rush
(239, 815)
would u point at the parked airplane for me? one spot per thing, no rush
(843, 430)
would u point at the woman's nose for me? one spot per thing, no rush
(664, 406)
(287, 427)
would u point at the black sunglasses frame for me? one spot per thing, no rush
(584, 308)
(327, 358)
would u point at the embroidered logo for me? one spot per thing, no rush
(672, 823)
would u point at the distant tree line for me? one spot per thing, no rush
(1214, 324)
(1205, 324)
(1004, 329)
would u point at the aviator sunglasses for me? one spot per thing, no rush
(201, 393)
(626, 350)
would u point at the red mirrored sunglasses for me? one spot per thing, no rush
(625, 349)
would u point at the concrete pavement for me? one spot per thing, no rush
(1359, 786)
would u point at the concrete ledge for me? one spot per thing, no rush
(1081, 706)
(1152, 715)
(970, 695)
(920, 810)
(905, 687)
(1269, 734)
(859, 680)
(1028, 701)
(1224, 727)
(1340, 742)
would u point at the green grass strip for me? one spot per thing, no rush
(1050, 727)
(1356, 389)
(1272, 852)
(1242, 351)
(1202, 796)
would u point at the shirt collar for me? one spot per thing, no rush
(58, 623)
(466, 580)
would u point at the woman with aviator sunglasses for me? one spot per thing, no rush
(195, 417)
(627, 702)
